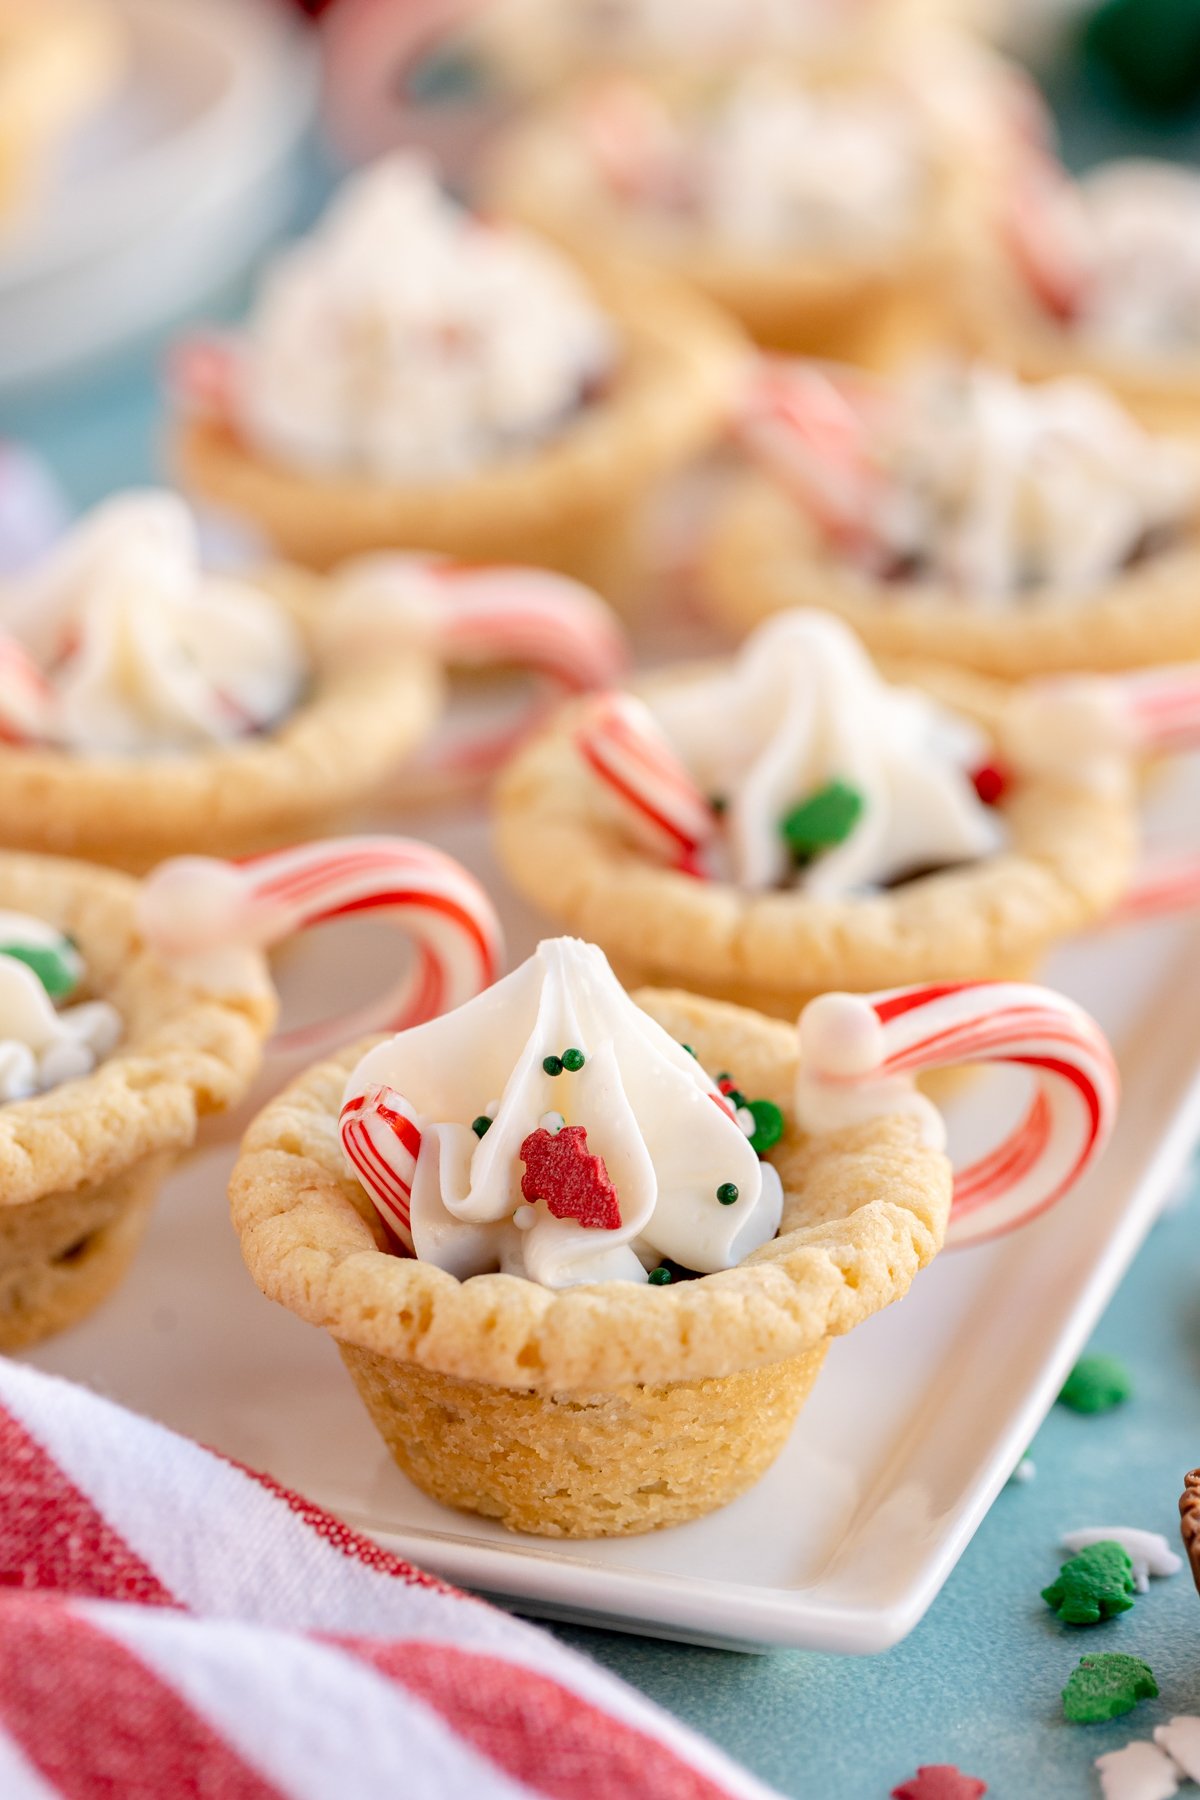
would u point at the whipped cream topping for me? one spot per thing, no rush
(997, 489)
(119, 643)
(42, 1045)
(670, 28)
(667, 1139)
(406, 339)
(802, 712)
(769, 165)
(1140, 244)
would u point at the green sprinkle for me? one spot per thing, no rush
(659, 1277)
(1096, 1384)
(688, 1048)
(724, 1076)
(481, 1126)
(727, 1193)
(1097, 1584)
(573, 1060)
(552, 1065)
(719, 803)
(1104, 1687)
(768, 1125)
(826, 818)
(57, 972)
(736, 1098)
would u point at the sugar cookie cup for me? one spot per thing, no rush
(832, 453)
(864, 303)
(82, 1163)
(568, 843)
(575, 502)
(619, 1407)
(58, 62)
(180, 960)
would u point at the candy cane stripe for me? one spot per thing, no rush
(619, 741)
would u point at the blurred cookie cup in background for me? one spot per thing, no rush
(150, 706)
(59, 62)
(958, 514)
(415, 377)
(581, 1285)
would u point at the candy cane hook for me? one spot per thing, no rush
(553, 628)
(194, 911)
(621, 743)
(381, 1141)
(860, 1052)
(810, 431)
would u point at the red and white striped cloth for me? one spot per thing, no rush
(175, 1626)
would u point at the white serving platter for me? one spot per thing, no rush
(914, 1426)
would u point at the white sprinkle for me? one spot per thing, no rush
(1025, 1470)
(552, 1122)
(746, 1120)
(1181, 1739)
(1138, 1772)
(525, 1217)
(491, 1109)
(1148, 1551)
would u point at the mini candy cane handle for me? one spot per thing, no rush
(859, 1053)
(26, 697)
(199, 913)
(810, 432)
(622, 745)
(473, 617)
(201, 376)
(382, 1141)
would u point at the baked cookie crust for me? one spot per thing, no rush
(764, 556)
(625, 1408)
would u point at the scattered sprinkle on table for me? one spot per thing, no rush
(1096, 1384)
(1096, 1584)
(940, 1781)
(1104, 1687)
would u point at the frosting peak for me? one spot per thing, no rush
(556, 1131)
(119, 643)
(804, 713)
(409, 340)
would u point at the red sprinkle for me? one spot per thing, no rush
(561, 1170)
(727, 1085)
(940, 1781)
(991, 783)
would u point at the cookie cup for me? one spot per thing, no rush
(58, 60)
(612, 1408)
(560, 843)
(574, 503)
(765, 556)
(80, 1166)
(870, 307)
(362, 714)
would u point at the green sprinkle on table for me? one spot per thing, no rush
(1104, 1687)
(1096, 1584)
(1096, 1384)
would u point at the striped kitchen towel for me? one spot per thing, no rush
(174, 1625)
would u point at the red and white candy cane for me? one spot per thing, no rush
(26, 697)
(381, 1141)
(621, 743)
(475, 617)
(197, 907)
(1045, 230)
(811, 431)
(858, 1053)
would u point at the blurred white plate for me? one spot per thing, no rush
(915, 1423)
(169, 190)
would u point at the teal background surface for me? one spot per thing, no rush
(978, 1682)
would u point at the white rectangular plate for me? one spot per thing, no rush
(913, 1427)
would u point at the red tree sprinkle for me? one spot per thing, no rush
(940, 1781)
(561, 1170)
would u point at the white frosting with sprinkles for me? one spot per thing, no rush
(41, 1044)
(667, 1138)
(802, 707)
(1140, 242)
(117, 642)
(406, 339)
(666, 28)
(998, 489)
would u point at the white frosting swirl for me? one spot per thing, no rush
(139, 650)
(674, 28)
(1141, 246)
(406, 339)
(802, 707)
(997, 489)
(768, 165)
(667, 1139)
(41, 1046)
